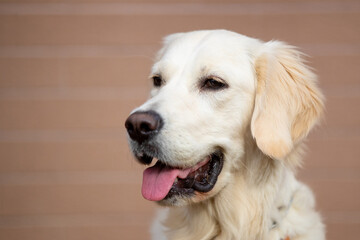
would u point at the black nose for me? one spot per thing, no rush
(142, 126)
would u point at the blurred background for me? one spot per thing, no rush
(72, 70)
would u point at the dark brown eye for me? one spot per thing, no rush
(157, 81)
(213, 84)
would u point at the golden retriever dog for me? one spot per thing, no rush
(226, 122)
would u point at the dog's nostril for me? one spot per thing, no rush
(145, 127)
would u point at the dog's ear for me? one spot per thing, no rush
(287, 102)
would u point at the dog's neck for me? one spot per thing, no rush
(242, 210)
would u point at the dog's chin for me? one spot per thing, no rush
(187, 185)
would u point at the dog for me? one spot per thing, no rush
(226, 121)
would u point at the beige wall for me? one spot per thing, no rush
(70, 72)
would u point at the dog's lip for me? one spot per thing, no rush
(162, 181)
(159, 179)
(202, 179)
(144, 158)
(195, 168)
(147, 160)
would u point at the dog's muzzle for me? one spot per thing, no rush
(164, 181)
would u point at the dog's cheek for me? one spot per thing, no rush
(222, 182)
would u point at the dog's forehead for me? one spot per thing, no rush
(203, 44)
(205, 52)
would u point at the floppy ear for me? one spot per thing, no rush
(287, 102)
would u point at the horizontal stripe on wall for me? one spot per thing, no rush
(166, 9)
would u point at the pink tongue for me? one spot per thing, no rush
(157, 181)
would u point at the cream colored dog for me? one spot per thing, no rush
(225, 121)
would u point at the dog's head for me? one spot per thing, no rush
(210, 89)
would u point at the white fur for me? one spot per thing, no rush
(259, 121)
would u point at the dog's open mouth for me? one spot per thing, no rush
(161, 181)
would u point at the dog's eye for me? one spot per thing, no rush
(157, 81)
(213, 84)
